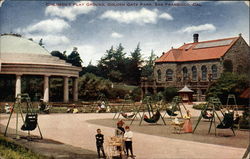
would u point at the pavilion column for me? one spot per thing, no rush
(46, 89)
(18, 85)
(75, 89)
(66, 89)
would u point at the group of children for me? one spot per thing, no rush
(126, 134)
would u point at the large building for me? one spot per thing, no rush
(20, 57)
(198, 64)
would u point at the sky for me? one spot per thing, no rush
(94, 26)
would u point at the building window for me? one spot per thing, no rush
(214, 72)
(169, 75)
(185, 73)
(203, 73)
(159, 75)
(194, 73)
(228, 66)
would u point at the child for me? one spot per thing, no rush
(128, 135)
(99, 143)
(119, 131)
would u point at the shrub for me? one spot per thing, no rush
(199, 106)
(136, 94)
(228, 83)
(117, 93)
(91, 86)
(245, 119)
(169, 93)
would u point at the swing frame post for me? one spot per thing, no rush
(137, 112)
(17, 108)
(211, 102)
(176, 104)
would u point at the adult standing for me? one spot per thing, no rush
(187, 127)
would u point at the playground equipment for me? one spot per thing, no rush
(101, 105)
(153, 117)
(174, 107)
(232, 100)
(122, 112)
(227, 121)
(31, 119)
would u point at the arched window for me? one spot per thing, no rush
(214, 72)
(203, 73)
(159, 75)
(185, 73)
(194, 73)
(169, 75)
(228, 66)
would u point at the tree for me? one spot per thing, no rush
(113, 61)
(74, 58)
(148, 69)
(228, 83)
(91, 69)
(91, 86)
(134, 67)
(62, 56)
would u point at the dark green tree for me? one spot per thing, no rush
(148, 69)
(91, 69)
(62, 56)
(74, 58)
(134, 67)
(105, 64)
(91, 86)
(113, 63)
(228, 83)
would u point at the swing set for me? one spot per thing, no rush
(152, 117)
(100, 100)
(228, 118)
(31, 119)
(174, 107)
(122, 113)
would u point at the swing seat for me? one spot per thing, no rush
(153, 119)
(171, 112)
(125, 115)
(228, 121)
(30, 122)
(205, 115)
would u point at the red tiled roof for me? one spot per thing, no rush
(192, 52)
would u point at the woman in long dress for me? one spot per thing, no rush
(187, 127)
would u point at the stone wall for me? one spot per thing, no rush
(239, 55)
(178, 67)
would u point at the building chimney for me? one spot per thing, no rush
(196, 38)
